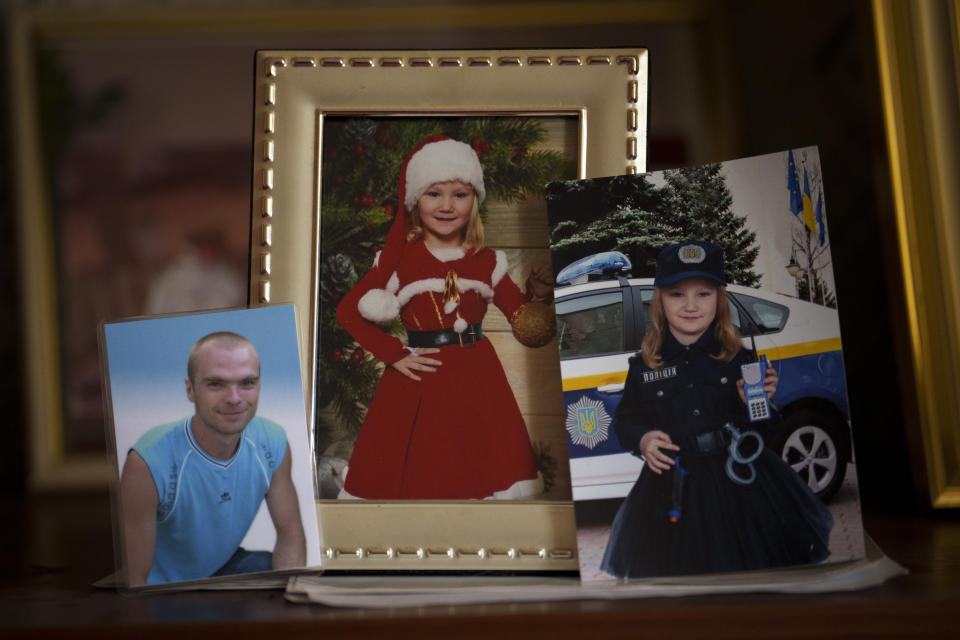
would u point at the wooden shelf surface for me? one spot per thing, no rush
(55, 546)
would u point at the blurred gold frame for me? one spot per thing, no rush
(919, 62)
(604, 89)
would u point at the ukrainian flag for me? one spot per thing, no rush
(808, 215)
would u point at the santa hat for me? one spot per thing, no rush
(436, 158)
(440, 160)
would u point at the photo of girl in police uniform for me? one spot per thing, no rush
(688, 467)
(730, 503)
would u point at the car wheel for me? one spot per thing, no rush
(814, 446)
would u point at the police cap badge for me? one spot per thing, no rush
(689, 259)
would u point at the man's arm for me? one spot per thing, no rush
(138, 498)
(290, 551)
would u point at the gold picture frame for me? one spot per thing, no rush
(918, 58)
(604, 89)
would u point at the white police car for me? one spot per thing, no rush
(601, 318)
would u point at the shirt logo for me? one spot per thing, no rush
(661, 374)
(225, 497)
(692, 254)
(587, 422)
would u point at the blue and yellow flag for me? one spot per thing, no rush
(793, 186)
(808, 218)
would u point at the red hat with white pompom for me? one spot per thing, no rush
(436, 158)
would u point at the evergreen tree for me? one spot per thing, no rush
(603, 214)
(631, 215)
(698, 205)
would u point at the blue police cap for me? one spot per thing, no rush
(690, 259)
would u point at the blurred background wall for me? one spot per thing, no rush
(146, 119)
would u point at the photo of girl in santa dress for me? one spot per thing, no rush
(443, 423)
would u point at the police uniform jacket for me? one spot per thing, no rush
(693, 394)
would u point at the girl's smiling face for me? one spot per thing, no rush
(690, 306)
(444, 210)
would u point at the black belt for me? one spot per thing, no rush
(443, 337)
(704, 443)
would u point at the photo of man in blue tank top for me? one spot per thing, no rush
(190, 489)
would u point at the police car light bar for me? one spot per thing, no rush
(606, 264)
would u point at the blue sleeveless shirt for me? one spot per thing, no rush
(206, 505)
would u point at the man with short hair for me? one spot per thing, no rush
(191, 489)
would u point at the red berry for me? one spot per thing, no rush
(480, 146)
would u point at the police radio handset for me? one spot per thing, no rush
(753, 374)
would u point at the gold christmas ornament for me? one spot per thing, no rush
(534, 324)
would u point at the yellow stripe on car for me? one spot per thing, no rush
(576, 383)
(592, 382)
(801, 349)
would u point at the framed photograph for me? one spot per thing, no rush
(677, 290)
(925, 202)
(333, 132)
(212, 457)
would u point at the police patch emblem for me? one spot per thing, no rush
(692, 254)
(587, 422)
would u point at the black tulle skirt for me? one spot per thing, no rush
(776, 521)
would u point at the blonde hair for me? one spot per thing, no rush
(472, 233)
(723, 328)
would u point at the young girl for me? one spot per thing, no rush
(695, 507)
(443, 423)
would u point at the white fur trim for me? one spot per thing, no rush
(460, 325)
(447, 254)
(417, 287)
(449, 306)
(442, 161)
(436, 285)
(465, 284)
(393, 283)
(379, 305)
(520, 490)
(500, 269)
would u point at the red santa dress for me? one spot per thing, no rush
(457, 433)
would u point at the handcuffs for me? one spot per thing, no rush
(737, 440)
(735, 455)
